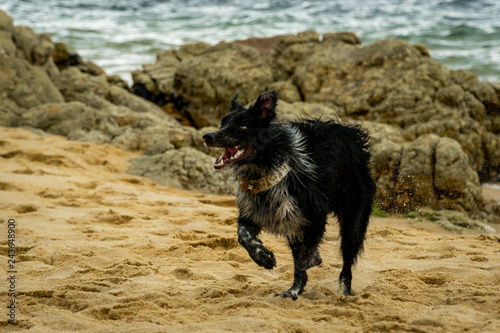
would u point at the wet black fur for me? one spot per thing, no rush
(336, 180)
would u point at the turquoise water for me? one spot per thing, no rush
(122, 35)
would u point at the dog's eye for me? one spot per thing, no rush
(242, 128)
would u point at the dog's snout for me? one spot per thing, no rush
(209, 138)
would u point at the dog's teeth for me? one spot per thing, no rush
(218, 162)
(237, 154)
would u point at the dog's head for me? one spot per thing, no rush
(243, 132)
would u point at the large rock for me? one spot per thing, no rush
(78, 104)
(66, 118)
(7, 45)
(489, 94)
(385, 163)
(299, 110)
(115, 125)
(209, 81)
(293, 50)
(456, 183)
(23, 85)
(286, 91)
(380, 133)
(77, 100)
(202, 79)
(430, 171)
(394, 82)
(416, 170)
(156, 81)
(97, 92)
(185, 168)
(32, 47)
(404, 95)
(389, 81)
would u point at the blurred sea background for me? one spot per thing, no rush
(121, 35)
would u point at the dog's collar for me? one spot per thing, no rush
(264, 183)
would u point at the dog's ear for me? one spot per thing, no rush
(266, 105)
(234, 104)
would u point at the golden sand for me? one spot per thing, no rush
(98, 250)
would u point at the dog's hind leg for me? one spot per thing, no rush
(352, 233)
(247, 237)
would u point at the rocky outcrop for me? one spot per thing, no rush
(389, 81)
(44, 86)
(207, 82)
(202, 79)
(435, 132)
(25, 85)
(25, 68)
(299, 110)
(397, 83)
(185, 168)
(431, 171)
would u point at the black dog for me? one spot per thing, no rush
(291, 177)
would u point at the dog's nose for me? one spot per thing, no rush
(209, 138)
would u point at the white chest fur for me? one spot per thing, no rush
(275, 210)
(278, 214)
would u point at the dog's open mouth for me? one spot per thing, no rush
(232, 155)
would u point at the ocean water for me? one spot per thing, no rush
(121, 35)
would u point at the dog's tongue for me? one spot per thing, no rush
(221, 161)
(227, 154)
(232, 150)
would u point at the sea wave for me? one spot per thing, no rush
(495, 186)
(122, 35)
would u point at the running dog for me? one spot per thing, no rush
(291, 176)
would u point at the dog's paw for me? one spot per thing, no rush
(344, 289)
(263, 257)
(293, 294)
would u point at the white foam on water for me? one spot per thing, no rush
(122, 35)
(494, 186)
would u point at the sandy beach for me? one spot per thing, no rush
(99, 250)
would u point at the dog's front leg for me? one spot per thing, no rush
(247, 237)
(305, 256)
(303, 259)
